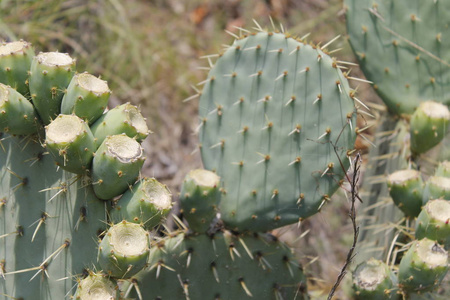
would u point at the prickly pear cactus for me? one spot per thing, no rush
(276, 121)
(56, 231)
(51, 218)
(402, 47)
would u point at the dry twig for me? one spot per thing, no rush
(354, 192)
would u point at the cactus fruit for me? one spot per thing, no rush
(146, 203)
(199, 199)
(50, 74)
(86, 97)
(402, 49)
(221, 266)
(273, 111)
(436, 187)
(124, 250)
(17, 114)
(116, 165)
(429, 124)
(443, 169)
(70, 141)
(125, 118)
(374, 280)
(423, 267)
(405, 188)
(15, 62)
(96, 287)
(433, 221)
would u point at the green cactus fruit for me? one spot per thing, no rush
(429, 124)
(70, 141)
(50, 74)
(443, 169)
(221, 266)
(401, 48)
(436, 187)
(86, 96)
(125, 118)
(15, 62)
(199, 199)
(49, 223)
(373, 280)
(124, 250)
(116, 165)
(146, 203)
(17, 114)
(423, 267)
(433, 221)
(273, 111)
(96, 286)
(405, 188)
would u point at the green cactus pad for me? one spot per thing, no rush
(429, 125)
(116, 165)
(15, 62)
(199, 199)
(436, 187)
(70, 141)
(124, 250)
(17, 114)
(271, 110)
(146, 203)
(86, 96)
(50, 74)
(222, 266)
(373, 280)
(125, 118)
(49, 223)
(423, 266)
(433, 221)
(405, 188)
(402, 49)
(96, 286)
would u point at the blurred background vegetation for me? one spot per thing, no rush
(149, 52)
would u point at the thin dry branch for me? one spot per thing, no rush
(354, 192)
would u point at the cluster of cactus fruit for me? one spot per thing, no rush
(277, 130)
(63, 157)
(403, 49)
